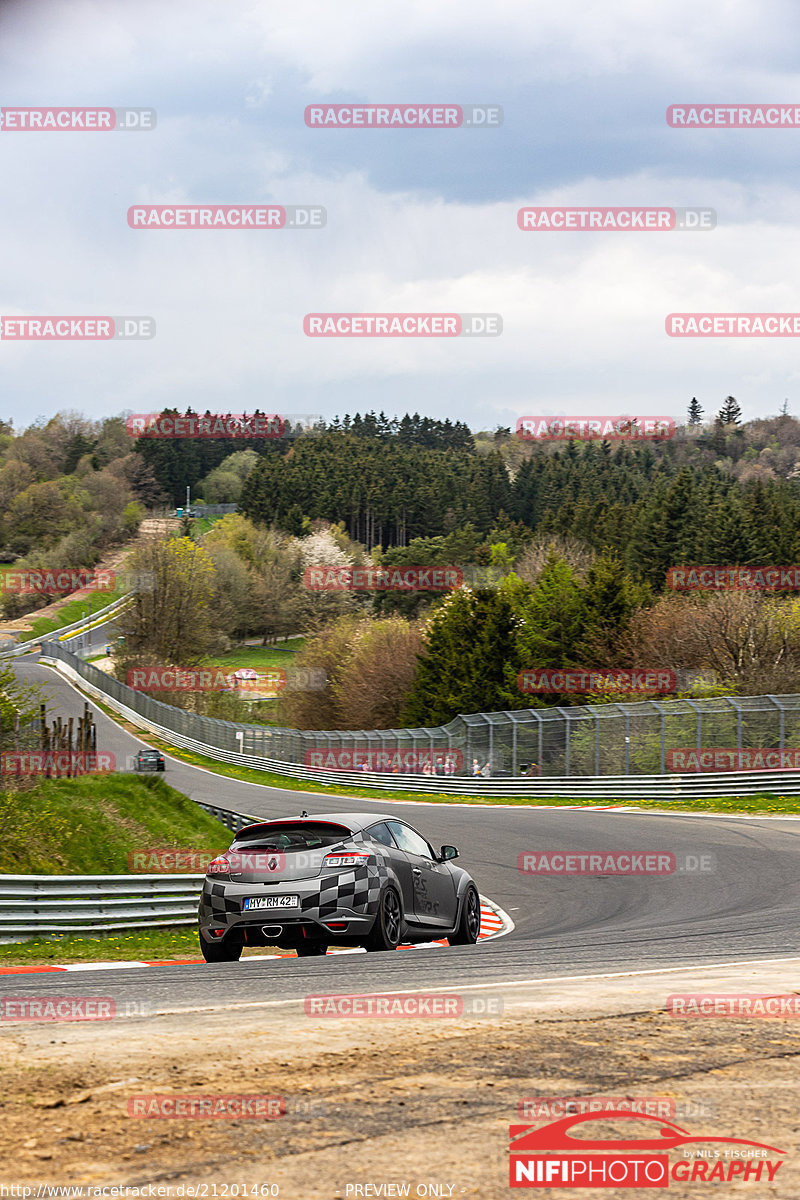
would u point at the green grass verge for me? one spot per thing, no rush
(89, 825)
(763, 802)
(73, 611)
(258, 658)
(140, 945)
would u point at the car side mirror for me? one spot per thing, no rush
(447, 852)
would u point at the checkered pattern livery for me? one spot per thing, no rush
(357, 889)
(218, 904)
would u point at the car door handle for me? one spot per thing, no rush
(416, 871)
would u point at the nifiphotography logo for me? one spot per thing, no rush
(553, 1156)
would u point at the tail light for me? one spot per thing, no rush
(345, 859)
(219, 866)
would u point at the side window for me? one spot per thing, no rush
(380, 833)
(408, 839)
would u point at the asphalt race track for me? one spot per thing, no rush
(746, 907)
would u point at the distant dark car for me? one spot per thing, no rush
(149, 760)
(305, 883)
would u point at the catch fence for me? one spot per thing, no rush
(637, 739)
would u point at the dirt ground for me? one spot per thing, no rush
(423, 1103)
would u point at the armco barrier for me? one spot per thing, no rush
(34, 904)
(614, 788)
(90, 621)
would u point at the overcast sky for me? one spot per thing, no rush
(417, 220)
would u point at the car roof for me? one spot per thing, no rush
(351, 821)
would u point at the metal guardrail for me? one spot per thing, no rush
(92, 619)
(33, 904)
(231, 820)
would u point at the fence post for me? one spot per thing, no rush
(627, 743)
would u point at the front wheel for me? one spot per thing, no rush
(229, 949)
(385, 933)
(469, 922)
(311, 949)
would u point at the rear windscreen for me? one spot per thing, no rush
(303, 836)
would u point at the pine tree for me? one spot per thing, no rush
(609, 599)
(553, 617)
(730, 413)
(471, 659)
(695, 412)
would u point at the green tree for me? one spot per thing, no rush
(172, 618)
(730, 413)
(470, 661)
(553, 617)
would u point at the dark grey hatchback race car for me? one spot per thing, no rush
(306, 883)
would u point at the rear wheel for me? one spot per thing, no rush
(385, 933)
(469, 922)
(311, 949)
(229, 949)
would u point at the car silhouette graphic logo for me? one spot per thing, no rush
(556, 1155)
(556, 1136)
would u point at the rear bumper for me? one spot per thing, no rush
(320, 907)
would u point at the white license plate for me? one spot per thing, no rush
(272, 902)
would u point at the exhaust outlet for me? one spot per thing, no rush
(272, 930)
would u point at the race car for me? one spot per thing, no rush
(149, 760)
(306, 883)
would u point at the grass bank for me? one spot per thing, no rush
(89, 825)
